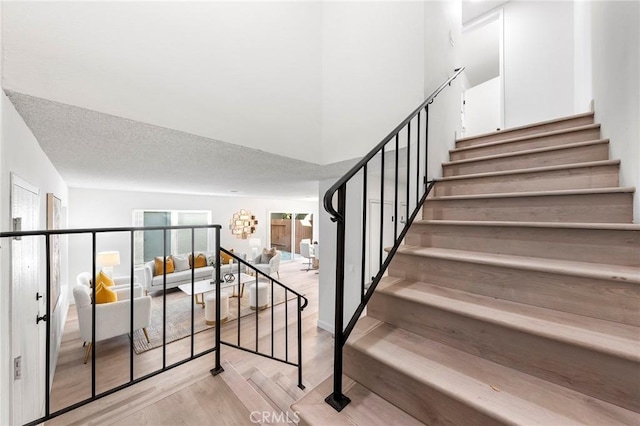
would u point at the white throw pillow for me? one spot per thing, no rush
(180, 263)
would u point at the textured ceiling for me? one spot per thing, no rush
(96, 150)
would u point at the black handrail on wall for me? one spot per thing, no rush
(93, 232)
(337, 399)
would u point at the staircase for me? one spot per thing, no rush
(516, 298)
(268, 399)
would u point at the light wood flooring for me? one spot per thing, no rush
(188, 394)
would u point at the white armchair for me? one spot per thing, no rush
(273, 267)
(84, 278)
(112, 319)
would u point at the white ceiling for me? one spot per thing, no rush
(151, 89)
(199, 97)
(96, 150)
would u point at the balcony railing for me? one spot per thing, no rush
(136, 373)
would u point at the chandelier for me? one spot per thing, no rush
(243, 224)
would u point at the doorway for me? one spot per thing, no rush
(27, 336)
(287, 229)
(483, 83)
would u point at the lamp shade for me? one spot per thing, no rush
(108, 258)
(255, 242)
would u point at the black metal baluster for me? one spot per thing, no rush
(164, 298)
(408, 171)
(47, 368)
(286, 325)
(257, 310)
(381, 250)
(131, 301)
(337, 399)
(272, 339)
(218, 368)
(418, 162)
(93, 317)
(364, 231)
(426, 144)
(193, 289)
(395, 197)
(300, 385)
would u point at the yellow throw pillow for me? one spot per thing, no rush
(105, 295)
(104, 279)
(159, 270)
(201, 260)
(225, 258)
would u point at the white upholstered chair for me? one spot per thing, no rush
(112, 319)
(84, 278)
(273, 267)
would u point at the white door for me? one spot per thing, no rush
(28, 338)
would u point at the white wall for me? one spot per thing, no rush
(582, 62)
(538, 61)
(242, 72)
(440, 58)
(102, 208)
(22, 155)
(442, 54)
(372, 71)
(616, 91)
(482, 108)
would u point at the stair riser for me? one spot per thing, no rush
(580, 154)
(597, 208)
(616, 301)
(500, 136)
(576, 178)
(597, 374)
(583, 245)
(581, 135)
(425, 403)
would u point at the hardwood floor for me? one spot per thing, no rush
(188, 394)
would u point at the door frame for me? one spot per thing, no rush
(15, 318)
(487, 18)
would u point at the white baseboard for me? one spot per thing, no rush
(326, 326)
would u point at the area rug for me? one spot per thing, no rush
(179, 317)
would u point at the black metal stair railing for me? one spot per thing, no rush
(208, 347)
(411, 189)
(300, 303)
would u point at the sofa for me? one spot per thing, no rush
(154, 282)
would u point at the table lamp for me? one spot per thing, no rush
(106, 260)
(255, 244)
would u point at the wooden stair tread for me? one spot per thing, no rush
(249, 396)
(366, 407)
(557, 225)
(601, 271)
(595, 334)
(280, 398)
(502, 393)
(527, 126)
(530, 170)
(557, 192)
(526, 152)
(524, 138)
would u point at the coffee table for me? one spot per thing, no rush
(205, 286)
